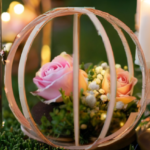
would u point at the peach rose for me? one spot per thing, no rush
(125, 84)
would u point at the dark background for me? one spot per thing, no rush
(91, 46)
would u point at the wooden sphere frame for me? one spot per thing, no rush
(29, 127)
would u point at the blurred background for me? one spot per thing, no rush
(57, 35)
(91, 46)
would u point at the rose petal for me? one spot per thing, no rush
(106, 83)
(52, 91)
(40, 83)
(50, 68)
(67, 57)
(65, 82)
(83, 73)
(62, 61)
(82, 80)
(47, 80)
(55, 75)
(120, 84)
(125, 90)
(133, 81)
(57, 99)
(125, 99)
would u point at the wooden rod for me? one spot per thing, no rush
(76, 31)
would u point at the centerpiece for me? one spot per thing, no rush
(55, 85)
(93, 100)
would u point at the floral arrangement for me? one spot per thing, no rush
(55, 85)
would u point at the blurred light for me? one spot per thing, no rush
(121, 124)
(18, 36)
(7, 61)
(126, 67)
(7, 46)
(103, 116)
(19, 9)
(45, 54)
(148, 129)
(5, 16)
(5, 89)
(147, 1)
(12, 5)
(3, 123)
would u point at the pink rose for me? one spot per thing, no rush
(125, 84)
(56, 75)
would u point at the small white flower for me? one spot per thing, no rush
(95, 93)
(93, 86)
(117, 66)
(103, 116)
(104, 65)
(99, 76)
(83, 126)
(98, 69)
(91, 92)
(103, 98)
(90, 100)
(98, 81)
(102, 91)
(119, 105)
(103, 72)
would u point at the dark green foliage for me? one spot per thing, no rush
(62, 119)
(12, 138)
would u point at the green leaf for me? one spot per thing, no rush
(131, 147)
(82, 66)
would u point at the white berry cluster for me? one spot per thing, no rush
(95, 91)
